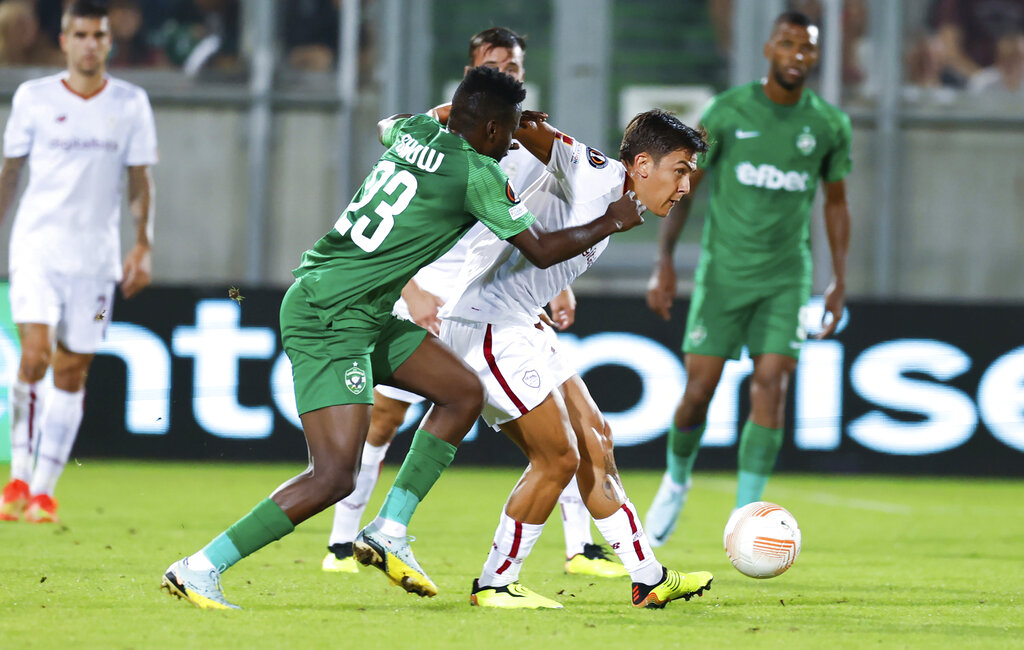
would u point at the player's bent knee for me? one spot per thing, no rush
(699, 393)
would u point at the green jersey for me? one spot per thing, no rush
(765, 161)
(423, 194)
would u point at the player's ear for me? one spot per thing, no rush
(642, 164)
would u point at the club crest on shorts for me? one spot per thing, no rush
(805, 142)
(355, 379)
(698, 333)
(596, 159)
(531, 378)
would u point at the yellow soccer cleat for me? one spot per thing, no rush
(201, 588)
(673, 585)
(339, 559)
(41, 509)
(513, 596)
(393, 556)
(13, 500)
(594, 562)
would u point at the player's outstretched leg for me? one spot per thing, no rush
(349, 511)
(457, 397)
(614, 514)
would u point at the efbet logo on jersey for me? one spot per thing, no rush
(771, 177)
(355, 379)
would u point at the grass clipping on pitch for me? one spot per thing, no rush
(885, 562)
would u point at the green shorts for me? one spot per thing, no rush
(764, 319)
(339, 361)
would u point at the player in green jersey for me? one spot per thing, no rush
(431, 185)
(772, 141)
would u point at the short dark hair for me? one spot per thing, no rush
(658, 133)
(797, 18)
(495, 37)
(83, 9)
(485, 94)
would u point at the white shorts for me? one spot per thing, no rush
(398, 394)
(78, 308)
(520, 365)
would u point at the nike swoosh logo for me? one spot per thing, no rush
(743, 135)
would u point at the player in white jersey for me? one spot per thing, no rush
(78, 131)
(531, 393)
(429, 289)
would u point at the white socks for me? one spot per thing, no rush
(575, 519)
(349, 510)
(25, 405)
(513, 542)
(58, 428)
(625, 534)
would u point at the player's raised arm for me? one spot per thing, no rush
(544, 249)
(536, 135)
(9, 177)
(837, 226)
(661, 287)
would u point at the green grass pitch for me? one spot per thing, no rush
(886, 562)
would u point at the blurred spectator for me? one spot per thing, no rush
(311, 34)
(926, 60)
(968, 31)
(21, 41)
(131, 46)
(1006, 74)
(201, 34)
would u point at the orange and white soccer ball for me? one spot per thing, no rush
(762, 539)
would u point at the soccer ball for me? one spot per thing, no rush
(762, 539)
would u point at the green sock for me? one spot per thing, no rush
(264, 524)
(427, 458)
(683, 445)
(759, 447)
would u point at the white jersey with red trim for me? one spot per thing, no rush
(498, 283)
(440, 277)
(69, 216)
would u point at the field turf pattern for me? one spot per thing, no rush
(886, 562)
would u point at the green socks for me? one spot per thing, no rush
(759, 447)
(427, 458)
(682, 451)
(263, 525)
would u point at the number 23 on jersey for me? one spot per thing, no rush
(378, 205)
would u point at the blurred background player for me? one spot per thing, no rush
(78, 130)
(771, 142)
(503, 50)
(341, 337)
(531, 393)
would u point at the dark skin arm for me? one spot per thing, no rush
(837, 226)
(9, 176)
(661, 287)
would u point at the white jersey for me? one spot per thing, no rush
(69, 217)
(440, 276)
(498, 284)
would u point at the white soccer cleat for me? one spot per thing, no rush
(664, 512)
(201, 588)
